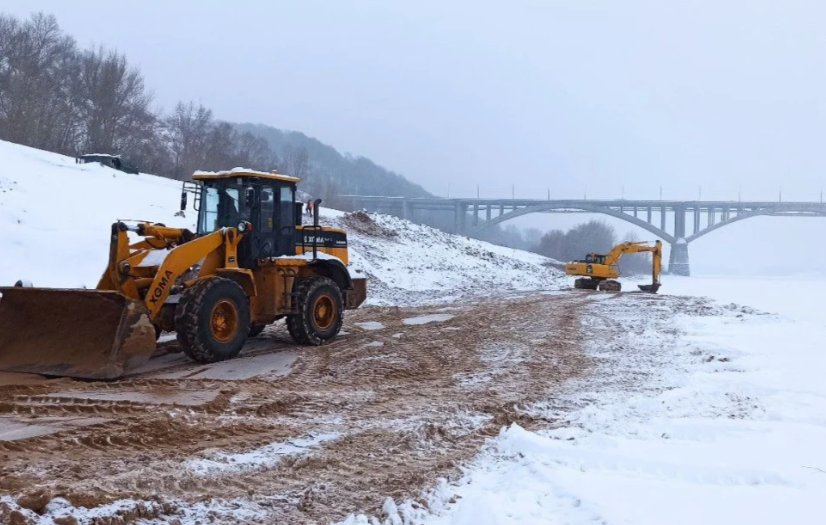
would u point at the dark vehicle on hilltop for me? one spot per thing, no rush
(111, 161)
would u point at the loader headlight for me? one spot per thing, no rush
(242, 226)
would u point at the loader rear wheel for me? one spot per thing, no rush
(320, 312)
(212, 320)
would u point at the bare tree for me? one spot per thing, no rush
(553, 245)
(36, 65)
(113, 103)
(189, 128)
(253, 151)
(295, 160)
(635, 263)
(590, 237)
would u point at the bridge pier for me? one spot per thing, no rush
(678, 260)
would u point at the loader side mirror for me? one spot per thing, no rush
(183, 200)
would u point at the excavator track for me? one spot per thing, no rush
(609, 285)
(586, 283)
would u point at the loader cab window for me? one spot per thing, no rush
(222, 206)
(267, 222)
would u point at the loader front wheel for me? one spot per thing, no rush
(320, 312)
(212, 320)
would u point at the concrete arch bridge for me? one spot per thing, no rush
(678, 223)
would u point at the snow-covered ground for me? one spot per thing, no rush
(697, 411)
(55, 217)
(718, 419)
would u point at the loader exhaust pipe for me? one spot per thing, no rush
(315, 228)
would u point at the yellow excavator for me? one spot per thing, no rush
(249, 262)
(598, 271)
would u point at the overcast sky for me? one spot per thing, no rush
(571, 96)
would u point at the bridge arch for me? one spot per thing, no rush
(665, 236)
(716, 226)
(786, 212)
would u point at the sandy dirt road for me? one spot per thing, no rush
(292, 434)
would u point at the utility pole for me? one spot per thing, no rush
(780, 195)
(477, 192)
(448, 190)
(513, 191)
(549, 194)
(661, 193)
(701, 194)
(738, 193)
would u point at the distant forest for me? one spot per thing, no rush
(58, 97)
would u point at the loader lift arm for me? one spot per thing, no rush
(133, 273)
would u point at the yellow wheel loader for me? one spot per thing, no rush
(249, 263)
(598, 271)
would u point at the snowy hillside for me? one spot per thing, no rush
(410, 263)
(55, 217)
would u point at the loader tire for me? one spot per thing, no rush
(292, 326)
(320, 312)
(212, 320)
(255, 329)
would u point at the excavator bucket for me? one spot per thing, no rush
(86, 334)
(650, 288)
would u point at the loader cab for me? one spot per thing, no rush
(264, 201)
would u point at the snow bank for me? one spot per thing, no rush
(413, 264)
(717, 420)
(55, 217)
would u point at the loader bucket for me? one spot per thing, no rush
(87, 334)
(650, 288)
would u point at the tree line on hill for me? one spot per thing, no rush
(58, 97)
(594, 236)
